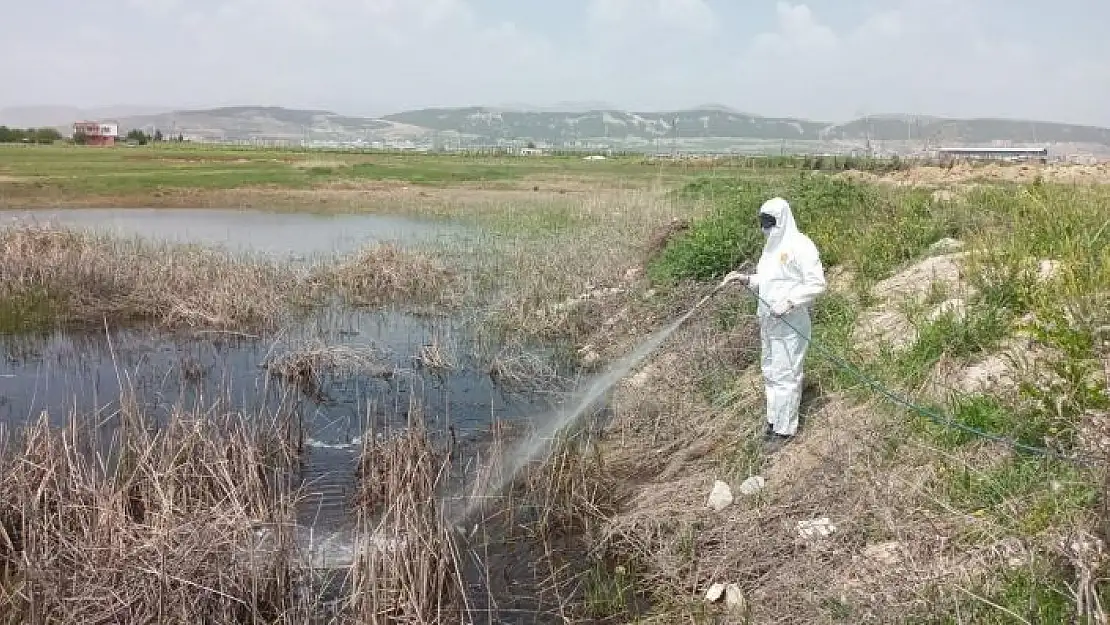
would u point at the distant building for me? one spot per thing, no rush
(993, 154)
(97, 133)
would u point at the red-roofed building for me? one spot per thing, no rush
(97, 133)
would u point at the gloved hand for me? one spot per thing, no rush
(781, 308)
(736, 276)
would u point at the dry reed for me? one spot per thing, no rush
(83, 278)
(74, 277)
(387, 273)
(516, 367)
(408, 565)
(154, 527)
(436, 357)
(310, 362)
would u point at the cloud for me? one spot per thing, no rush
(632, 15)
(356, 55)
(913, 56)
(824, 59)
(798, 33)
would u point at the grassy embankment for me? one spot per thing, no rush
(933, 525)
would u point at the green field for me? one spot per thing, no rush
(73, 170)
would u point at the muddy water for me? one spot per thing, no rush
(285, 235)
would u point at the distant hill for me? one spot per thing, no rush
(719, 122)
(713, 127)
(642, 127)
(969, 131)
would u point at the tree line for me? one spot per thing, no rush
(29, 135)
(142, 138)
(51, 135)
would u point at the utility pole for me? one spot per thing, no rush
(867, 134)
(674, 137)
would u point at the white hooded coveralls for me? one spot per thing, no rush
(789, 277)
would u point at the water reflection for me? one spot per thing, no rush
(282, 235)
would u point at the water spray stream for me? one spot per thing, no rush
(538, 446)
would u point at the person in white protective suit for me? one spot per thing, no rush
(788, 279)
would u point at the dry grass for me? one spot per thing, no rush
(82, 278)
(53, 275)
(162, 527)
(436, 356)
(387, 273)
(311, 362)
(408, 566)
(571, 283)
(515, 366)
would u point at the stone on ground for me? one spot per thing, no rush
(720, 497)
(752, 485)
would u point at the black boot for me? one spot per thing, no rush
(776, 442)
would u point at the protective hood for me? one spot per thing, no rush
(784, 221)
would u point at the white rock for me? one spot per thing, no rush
(752, 485)
(1047, 270)
(734, 599)
(720, 497)
(715, 592)
(816, 528)
(889, 553)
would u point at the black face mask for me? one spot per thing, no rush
(767, 221)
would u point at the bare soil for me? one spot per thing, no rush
(887, 322)
(964, 174)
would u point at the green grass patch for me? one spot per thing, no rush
(1025, 493)
(610, 591)
(83, 170)
(873, 230)
(1037, 593)
(979, 329)
(834, 316)
(1021, 422)
(31, 311)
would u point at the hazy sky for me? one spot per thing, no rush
(824, 59)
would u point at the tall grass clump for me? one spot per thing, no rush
(191, 523)
(52, 276)
(408, 564)
(387, 273)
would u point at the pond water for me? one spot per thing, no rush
(64, 373)
(67, 373)
(277, 234)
